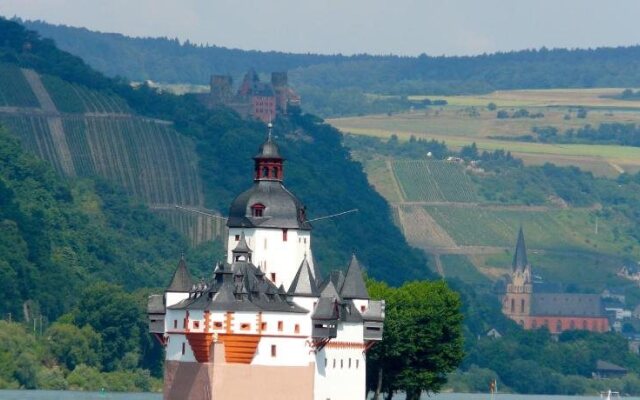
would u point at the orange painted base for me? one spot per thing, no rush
(221, 380)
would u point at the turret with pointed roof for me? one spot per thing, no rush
(304, 283)
(354, 286)
(242, 252)
(182, 280)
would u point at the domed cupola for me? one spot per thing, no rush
(268, 161)
(268, 204)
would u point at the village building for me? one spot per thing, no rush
(265, 324)
(253, 99)
(534, 305)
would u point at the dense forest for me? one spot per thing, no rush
(339, 85)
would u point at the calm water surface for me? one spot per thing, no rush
(64, 395)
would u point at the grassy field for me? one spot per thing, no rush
(552, 229)
(599, 98)
(467, 120)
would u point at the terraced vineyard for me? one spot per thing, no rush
(86, 133)
(14, 89)
(552, 229)
(433, 181)
(72, 98)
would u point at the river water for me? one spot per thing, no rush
(65, 395)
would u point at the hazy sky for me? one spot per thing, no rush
(354, 26)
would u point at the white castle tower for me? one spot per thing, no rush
(273, 220)
(266, 325)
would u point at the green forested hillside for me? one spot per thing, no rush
(59, 236)
(319, 170)
(338, 85)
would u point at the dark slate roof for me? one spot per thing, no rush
(282, 209)
(326, 309)
(547, 287)
(240, 286)
(304, 284)
(610, 367)
(354, 286)
(567, 305)
(263, 89)
(328, 290)
(269, 149)
(242, 246)
(349, 312)
(520, 261)
(375, 311)
(182, 280)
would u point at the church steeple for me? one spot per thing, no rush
(269, 162)
(520, 262)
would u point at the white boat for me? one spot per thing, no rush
(609, 395)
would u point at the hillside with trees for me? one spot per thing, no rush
(338, 85)
(320, 171)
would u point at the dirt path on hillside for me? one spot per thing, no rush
(56, 129)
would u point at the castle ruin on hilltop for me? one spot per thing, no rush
(256, 99)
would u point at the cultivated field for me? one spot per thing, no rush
(468, 120)
(440, 211)
(433, 181)
(598, 97)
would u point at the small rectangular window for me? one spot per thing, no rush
(362, 308)
(280, 326)
(284, 235)
(334, 363)
(183, 347)
(185, 323)
(296, 328)
(357, 363)
(273, 277)
(245, 327)
(263, 326)
(341, 363)
(175, 324)
(273, 350)
(349, 363)
(217, 325)
(237, 238)
(196, 324)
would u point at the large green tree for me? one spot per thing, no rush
(422, 341)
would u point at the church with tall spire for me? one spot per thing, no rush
(266, 324)
(533, 305)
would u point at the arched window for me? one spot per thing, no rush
(513, 305)
(265, 172)
(522, 306)
(274, 172)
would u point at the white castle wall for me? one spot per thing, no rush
(272, 254)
